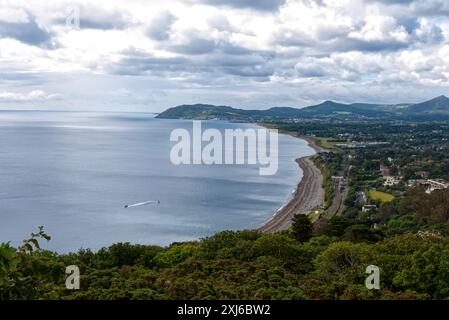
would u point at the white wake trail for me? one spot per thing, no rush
(142, 203)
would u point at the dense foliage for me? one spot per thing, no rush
(243, 265)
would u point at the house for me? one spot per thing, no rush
(415, 183)
(362, 197)
(351, 145)
(385, 170)
(369, 207)
(430, 184)
(422, 174)
(436, 184)
(392, 181)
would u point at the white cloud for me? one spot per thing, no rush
(381, 28)
(13, 15)
(35, 95)
(198, 48)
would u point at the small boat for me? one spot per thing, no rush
(142, 204)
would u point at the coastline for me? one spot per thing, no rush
(309, 193)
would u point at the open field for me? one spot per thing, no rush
(382, 196)
(327, 143)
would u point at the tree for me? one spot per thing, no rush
(362, 233)
(175, 254)
(340, 266)
(29, 272)
(337, 226)
(302, 228)
(428, 272)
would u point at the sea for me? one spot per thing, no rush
(74, 172)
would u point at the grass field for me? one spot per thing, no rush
(326, 143)
(382, 196)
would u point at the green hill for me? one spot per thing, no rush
(435, 109)
(211, 112)
(439, 105)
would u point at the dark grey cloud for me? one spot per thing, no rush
(195, 45)
(253, 60)
(234, 50)
(16, 78)
(311, 71)
(422, 7)
(193, 42)
(432, 36)
(395, 1)
(431, 7)
(207, 67)
(263, 5)
(350, 44)
(413, 26)
(262, 71)
(160, 27)
(410, 23)
(27, 32)
(135, 62)
(341, 43)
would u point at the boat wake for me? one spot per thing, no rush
(142, 204)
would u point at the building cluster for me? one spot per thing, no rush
(358, 145)
(392, 181)
(430, 184)
(389, 180)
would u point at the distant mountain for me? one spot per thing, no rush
(282, 112)
(200, 112)
(435, 109)
(211, 112)
(332, 109)
(439, 105)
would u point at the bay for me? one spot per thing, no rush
(73, 173)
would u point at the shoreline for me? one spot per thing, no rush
(309, 192)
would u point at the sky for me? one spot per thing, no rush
(138, 55)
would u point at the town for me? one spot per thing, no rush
(373, 169)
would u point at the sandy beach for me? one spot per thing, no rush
(309, 193)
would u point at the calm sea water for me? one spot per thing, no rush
(73, 172)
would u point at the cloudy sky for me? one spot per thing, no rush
(148, 55)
